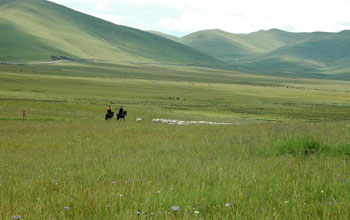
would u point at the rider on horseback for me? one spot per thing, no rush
(121, 110)
(109, 113)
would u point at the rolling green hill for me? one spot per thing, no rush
(322, 53)
(277, 51)
(35, 30)
(230, 47)
(168, 36)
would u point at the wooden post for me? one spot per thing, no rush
(24, 115)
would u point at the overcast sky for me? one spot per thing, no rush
(181, 17)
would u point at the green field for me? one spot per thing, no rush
(285, 155)
(282, 154)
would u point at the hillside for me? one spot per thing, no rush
(276, 50)
(230, 47)
(325, 53)
(35, 30)
(168, 36)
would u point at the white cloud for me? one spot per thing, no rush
(230, 15)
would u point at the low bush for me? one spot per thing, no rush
(300, 146)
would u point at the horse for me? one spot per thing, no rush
(109, 115)
(122, 115)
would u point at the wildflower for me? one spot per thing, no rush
(175, 208)
(286, 202)
(228, 205)
(322, 191)
(138, 213)
(121, 195)
(113, 182)
(17, 216)
(54, 181)
(196, 212)
(66, 208)
(158, 192)
(129, 181)
(338, 165)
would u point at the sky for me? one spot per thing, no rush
(181, 17)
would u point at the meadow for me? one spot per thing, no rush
(285, 155)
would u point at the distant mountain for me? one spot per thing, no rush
(36, 30)
(170, 37)
(276, 50)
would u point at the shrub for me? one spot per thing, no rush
(300, 146)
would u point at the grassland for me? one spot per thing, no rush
(286, 155)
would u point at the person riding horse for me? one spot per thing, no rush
(109, 114)
(121, 114)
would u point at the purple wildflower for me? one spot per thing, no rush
(17, 216)
(66, 208)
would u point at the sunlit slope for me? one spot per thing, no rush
(222, 45)
(229, 47)
(327, 48)
(170, 37)
(321, 53)
(35, 30)
(276, 50)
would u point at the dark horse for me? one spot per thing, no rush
(109, 115)
(122, 115)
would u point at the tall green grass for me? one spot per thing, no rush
(110, 170)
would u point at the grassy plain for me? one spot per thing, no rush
(284, 157)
